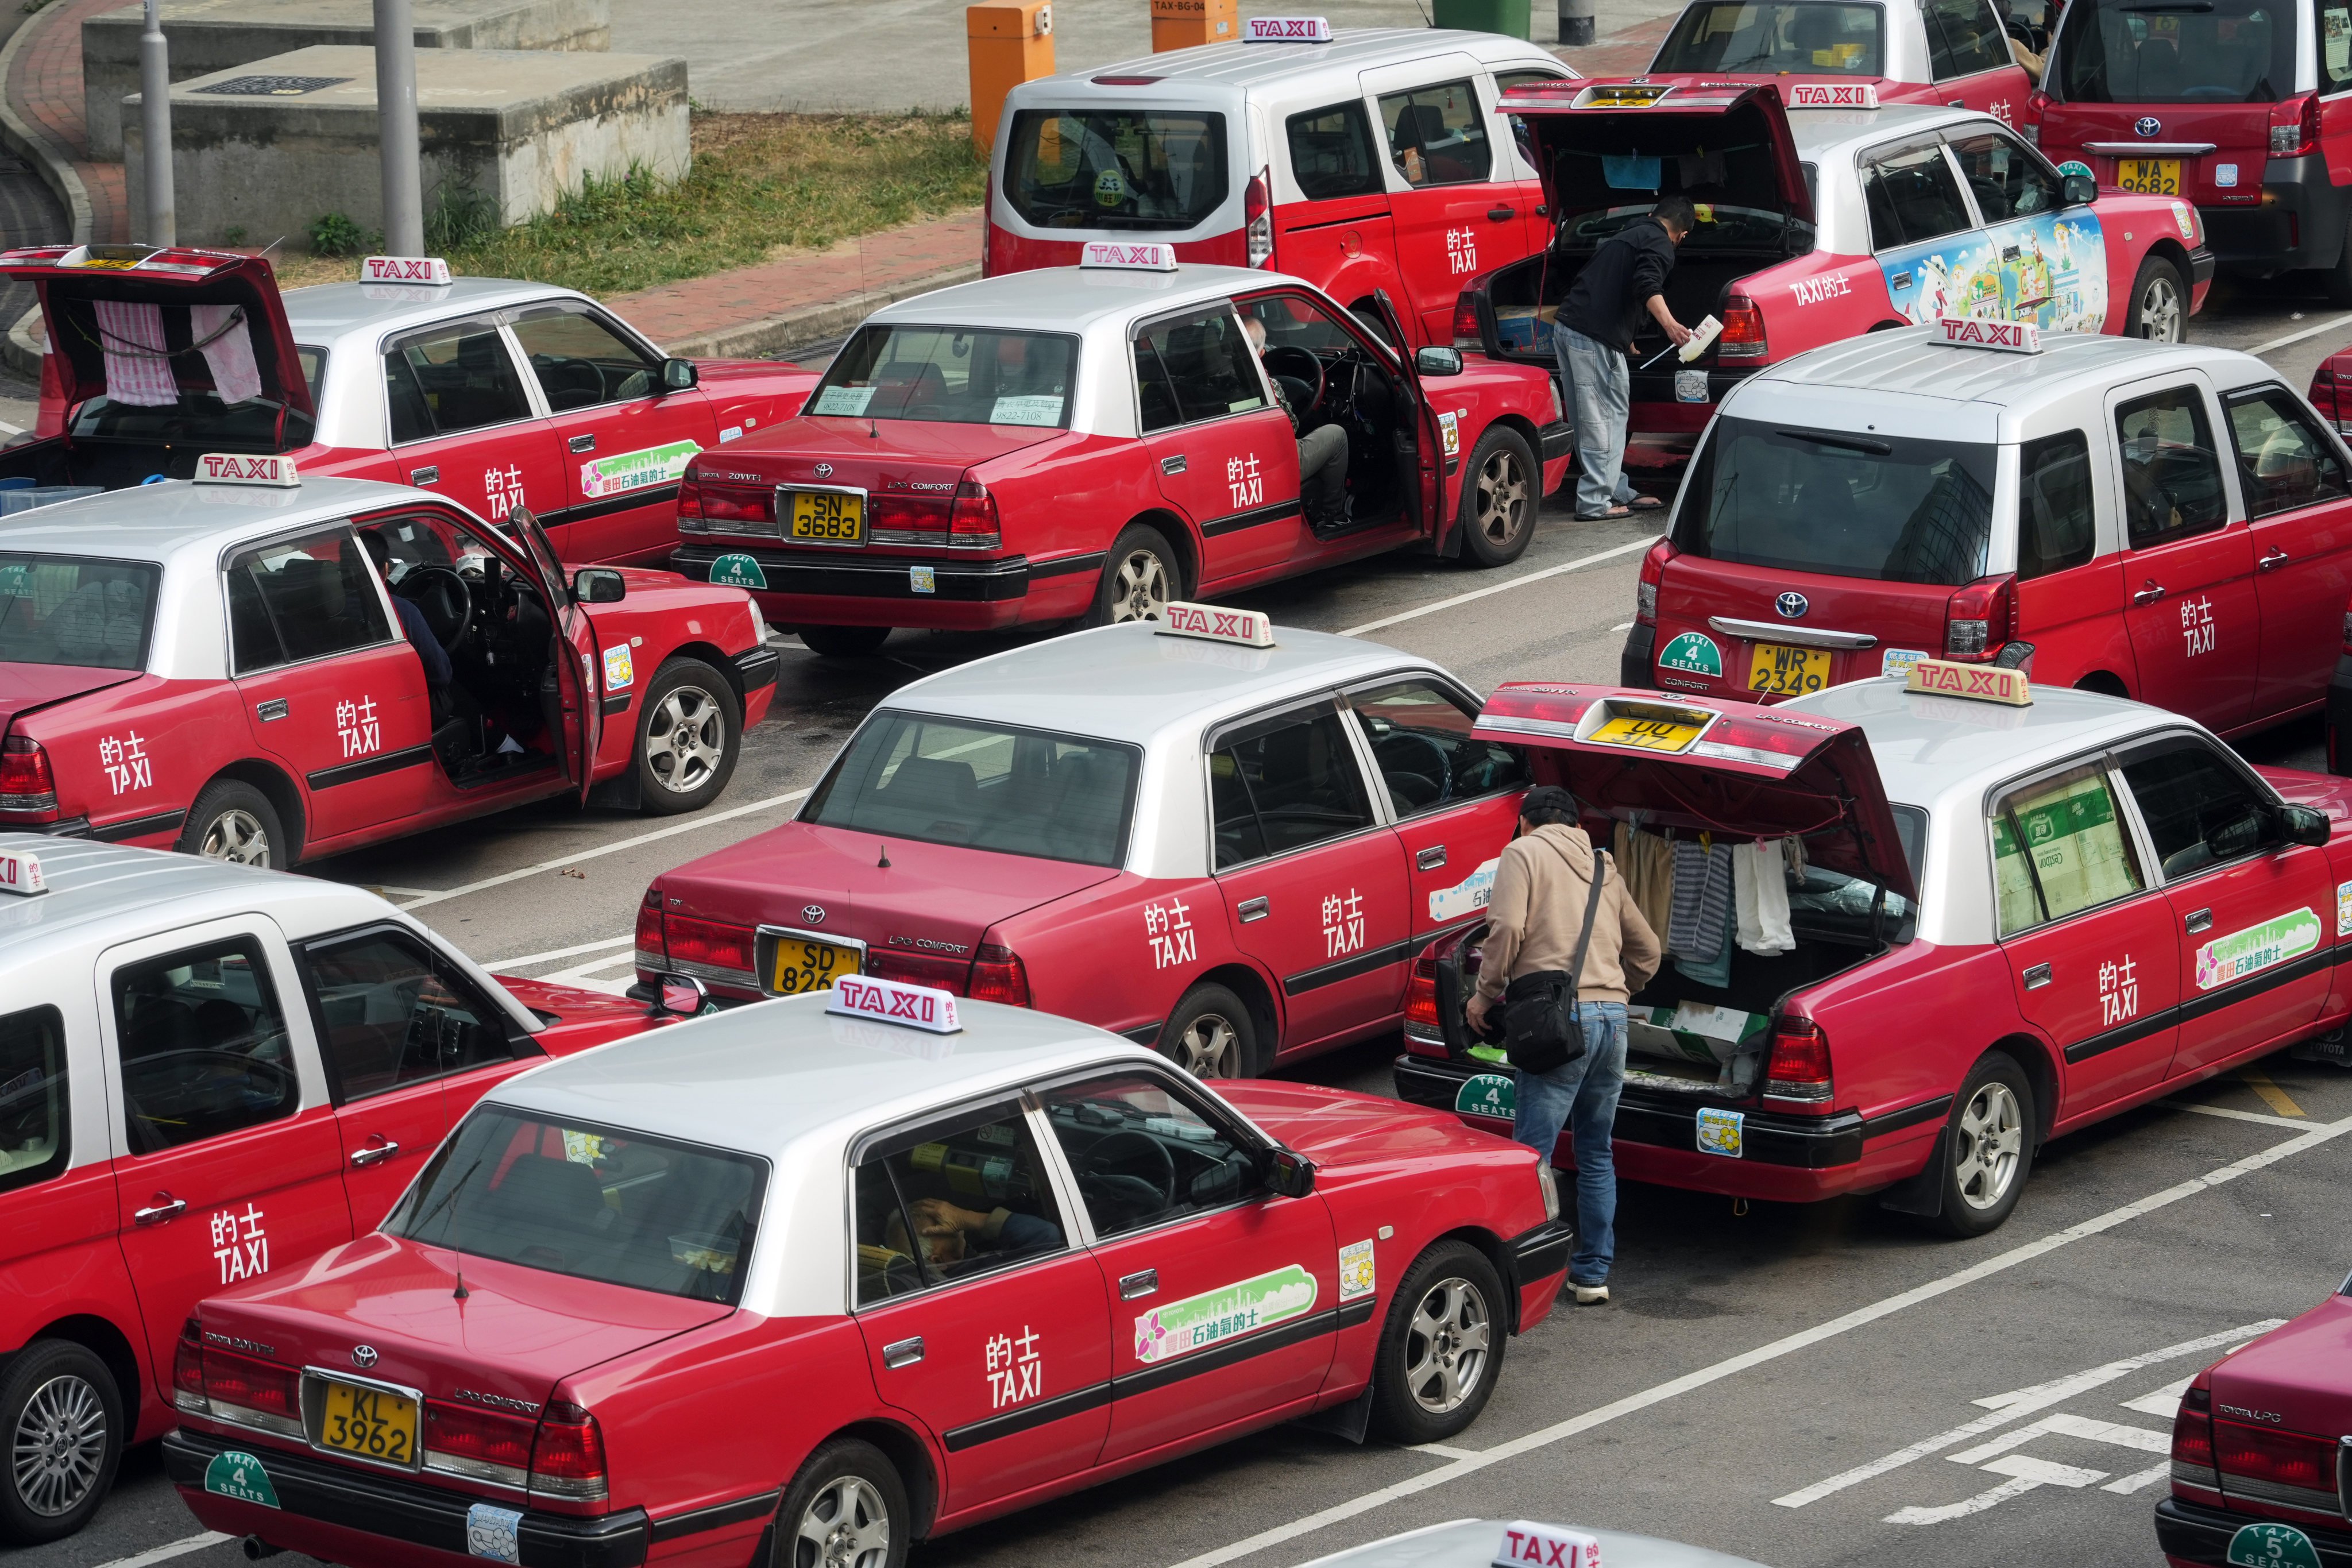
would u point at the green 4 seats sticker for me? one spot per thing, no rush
(1693, 651)
(233, 1473)
(2271, 1546)
(1486, 1094)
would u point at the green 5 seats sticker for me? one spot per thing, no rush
(1694, 652)
(1227, 1312)
(234, 1473)
(2273, 1546)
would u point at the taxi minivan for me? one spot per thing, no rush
(1954, 53)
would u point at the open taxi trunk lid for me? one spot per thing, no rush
(25, 686)
(1711, 141)
(1729, 768)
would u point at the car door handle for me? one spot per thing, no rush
(584, 443)
(1142, 1282)
(902, 1353)
(1498, 214)
(363, 1158)
(2272, 562)
(1431, 858)
(1174, 464)
(1253, 910)
(2150, 592)
(170, 1208)
(2037, 977)
(274, 709)
(1958, 104)
(2199, 920)
(428, 475)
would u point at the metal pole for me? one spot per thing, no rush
(155, 126)
(396, 98)
(1576, 22)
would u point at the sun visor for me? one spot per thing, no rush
(1604, 145)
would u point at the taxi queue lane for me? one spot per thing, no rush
(1695, 1284)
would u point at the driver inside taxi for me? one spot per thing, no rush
(956, 1238)
(1322, 451)
(429, 651)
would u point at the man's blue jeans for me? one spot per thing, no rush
(1600, 397)
(1582, 1096)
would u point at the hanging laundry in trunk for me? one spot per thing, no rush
(138, 366)
(1760, 892)
(1702, 900)
(1646, 860)
(219, 332)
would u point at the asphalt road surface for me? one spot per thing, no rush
(1808, 1386)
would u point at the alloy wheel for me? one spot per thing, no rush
(2161, 316)
(236, 836)
(1502, 492)
(1446, 1345)
(1210, 1047)
(686, 740)
(846, 1525)
(1991, 1141)
(60, 1444)
(1138, 588)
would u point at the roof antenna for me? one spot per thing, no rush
(460, 1293)
(884, 863)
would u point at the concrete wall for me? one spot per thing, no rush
(209, 36)
(522, 129)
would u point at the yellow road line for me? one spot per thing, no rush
(2272, 1095)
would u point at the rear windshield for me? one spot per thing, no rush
(593, 1202)
(57, 609)
(947, 781)
(2175, 51)
(1132, 170)
(1839, 503)
(951, 376)
(198, 420)
(1802, 37)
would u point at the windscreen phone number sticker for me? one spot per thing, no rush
(1719, 1131)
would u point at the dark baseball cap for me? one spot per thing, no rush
(1545, 801)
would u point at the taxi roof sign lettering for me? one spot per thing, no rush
(1287, 30)
(21, 875)
(1551, 1545)
(892, 1002)
(240, 468)
(1131, 257)
(1971, 332)
(403, 269)
(1251, 628)
(1833, 95)
(1981, 683)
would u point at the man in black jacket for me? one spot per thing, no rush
(1625, 279)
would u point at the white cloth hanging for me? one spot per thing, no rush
(1760, 896)
(227, 349)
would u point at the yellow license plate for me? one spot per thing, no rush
(1645, 735)
(2149, 176)
(370, 1423)
(828, 519)
(805, 965)
(1784, 672)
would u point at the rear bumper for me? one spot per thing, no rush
(755, 668)
(2194, 1532)
(804, 588)
(2298, 223)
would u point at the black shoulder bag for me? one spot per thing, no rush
(1542, 1024)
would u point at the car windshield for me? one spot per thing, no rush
(58, 609)
(1801, 37)
(951, 781)
(1132, 170)
(952, 375)
(2175, 51)
(593, 1202)
(1842, 504)
(198, 421)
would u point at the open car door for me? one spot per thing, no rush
(574, 661)
(1426, 484)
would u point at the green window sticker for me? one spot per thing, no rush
(233, 1473)
(737, 572)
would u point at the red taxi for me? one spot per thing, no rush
(491, 392)
(962, 1258)
(1950, 52)
(1097, 441)
(1972, 914)
(217, 666)
(206, 1076)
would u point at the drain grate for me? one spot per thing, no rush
(272, 86)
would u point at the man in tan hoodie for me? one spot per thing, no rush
(1542, 884)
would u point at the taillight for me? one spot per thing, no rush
(2292, 1468)
(726, 510)
(997, 976)
(653, 954)
(1743, 330)
(1799, 1065)
(1646, 587)
(2295, 126)
(2327, 395)
(2192, 1440)
(973, 524)
(1258, 213)
(188, 1368)
(568, 1459)
(482, 1444)
(1424, 1029)
(710, 948)
(1467, 337)
(25, 781)
(921, 969)
(256, 1392)
(689, 506)
(907, 514)
(1977, 618)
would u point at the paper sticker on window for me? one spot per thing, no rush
(2336, 33)
(1033, 409)
(2059, 848)
(844, 400)
(1898, 661)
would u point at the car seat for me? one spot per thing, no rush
(538, 1194)
(928, 787)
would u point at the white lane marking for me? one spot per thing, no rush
(2328, 326)
(2066, 1426)
(2127, 1485)
(1804, 1338)
(700, 820)
(528, 959)
(1519, 582)
(583, 976)
(2025, 1467)
(1622, 626)
(2165, 1401)
(1976, 1504)
(2223, 1111)
(170, 1549)
(9, 429)
(1445, 1451)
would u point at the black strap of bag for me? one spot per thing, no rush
(1543, 1028)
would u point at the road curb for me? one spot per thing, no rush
(810, 324)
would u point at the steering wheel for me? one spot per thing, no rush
(1301, 374)
(1440, 779)
(443, 596)
(571, 382)
(1131, 1168)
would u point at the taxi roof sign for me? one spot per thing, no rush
(1551, 1545)
(21, 874)
(1833, 95)
(1251, 628)
(1287, 30)
(894, 1001)
(1129, 258)
(1977, 682)
(1973, 332)
(246, 469)
(428, 270)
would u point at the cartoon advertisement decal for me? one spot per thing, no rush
(2050, 269)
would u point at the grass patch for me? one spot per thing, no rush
(760, 185)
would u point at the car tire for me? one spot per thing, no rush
(690, 737)
(1440, 1350)
(1988, 1146)
(232, 821)
(58, 1397)
(2159, 304)
(1139, 577)
(847, 1507)
(1211, 1034)
(845, 642)
(1502, 488)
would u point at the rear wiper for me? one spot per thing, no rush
(1846, 442)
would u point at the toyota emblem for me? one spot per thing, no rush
(362, 1355)
(1792, 606)
(2148, 125)
(813, 914)
(824, 471)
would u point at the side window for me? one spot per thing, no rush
(2172, 476)
(303, 598)
(1913, 197)
(2055, 527)
(580, 361)
(2200, 809)
(35, 1128)
(2007, 180)
(1331, 153)
(1963, 38)
(390, 1013)
(2283, 457)
(458, 376)
(1437, 135)
(1283, 785)
(2059, 847)
(1421, 742)
(1196, 366)
(964, 1198)
(2335, 49)
(202, 1041)
(1145, 1154)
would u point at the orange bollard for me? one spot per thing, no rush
(1183, 24)
(1009, 42)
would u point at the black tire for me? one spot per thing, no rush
(1453, 1389)
(816, 1500)
(1211, 1034)
(1986, 1147)
(2159, 310)
(1140, 576)
(845, 642)
(1502, 488)
(690, 737)
(58, 1394)
(235, 822)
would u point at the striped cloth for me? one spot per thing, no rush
(1702, 906)
(227, 351)
(131, 337)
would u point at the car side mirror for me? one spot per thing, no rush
(2081, 190)
(1435, 360)
(2305, 826)
(1292, 1175)
(678, 375)
(598, 586)
(681, 995)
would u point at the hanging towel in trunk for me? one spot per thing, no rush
(1702, 903)
(137, 368)
(1760, 890)
(227, 347)
(1646, 861)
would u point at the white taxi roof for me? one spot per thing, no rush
(325, 312)
(1075, 298)
(1255, 67)
(1474, 1544)
(185, 523)
(1834, 135)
